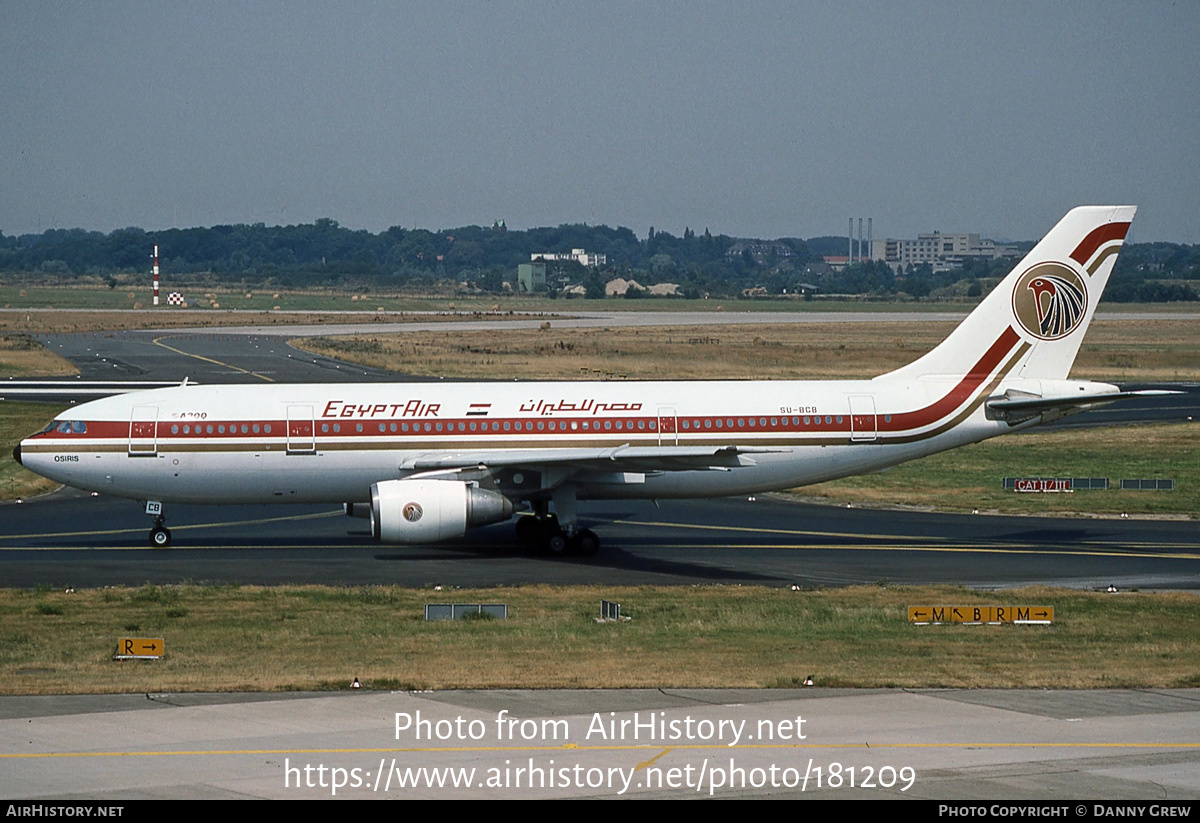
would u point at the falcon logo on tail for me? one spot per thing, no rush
(1050, 301)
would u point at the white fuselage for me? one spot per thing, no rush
(329, 443)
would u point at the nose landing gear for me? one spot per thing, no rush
(160, 535)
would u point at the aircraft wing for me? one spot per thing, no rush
(620, 458)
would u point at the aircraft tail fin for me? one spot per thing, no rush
(1030, 326)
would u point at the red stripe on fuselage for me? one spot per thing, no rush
(1097, 238)
(960, 393)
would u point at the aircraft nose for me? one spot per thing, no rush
(17, 453)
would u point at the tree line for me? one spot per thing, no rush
(324, 253)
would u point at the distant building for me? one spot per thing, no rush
(531, 277)
(834, 263)
(941, 251)
(592, 261)
(817, 270)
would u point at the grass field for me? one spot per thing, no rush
(68, 321)
(299, 638)
(21, 356)
(17, 421)
(1115, 348)
(970, 477)
(201, 298)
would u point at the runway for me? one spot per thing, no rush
(773, 540)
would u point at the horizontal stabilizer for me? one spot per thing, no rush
(1017, 407)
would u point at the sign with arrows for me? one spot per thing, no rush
(139, 648)
(1027, 615)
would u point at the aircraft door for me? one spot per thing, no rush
(301, 432)
(668, 429)
(143, 431)
(862, 418)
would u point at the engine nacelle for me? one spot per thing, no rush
(425, 511)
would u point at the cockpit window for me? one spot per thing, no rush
(78, 427)
(64, 427)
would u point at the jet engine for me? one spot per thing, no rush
(425, 511)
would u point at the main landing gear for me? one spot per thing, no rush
(160, 535)
(543, 529)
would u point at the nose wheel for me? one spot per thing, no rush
(160, 535)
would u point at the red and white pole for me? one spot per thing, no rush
(156, 275)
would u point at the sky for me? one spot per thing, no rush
(749, 119)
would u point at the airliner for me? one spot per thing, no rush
(427, 461)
